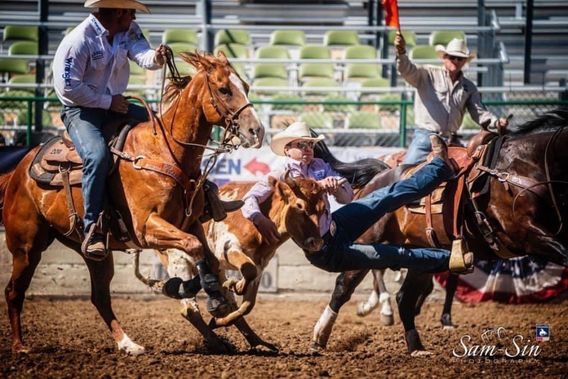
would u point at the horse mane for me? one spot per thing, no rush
(201, 61)
(557, 118)
(357, 173)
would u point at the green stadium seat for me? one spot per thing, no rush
(315, 70)
(288, 37)
(180, 35)
(226, 36)
(270, 70)
(468, 122)
(443, 37)
(363, 120)
(268, 82)
(233, 50)
(274, 52)
(20, 33)
(423, 52)
(318, 82)
(317, 120)
(23, 48)
(182, 47)
(343, 108)
(361, 71)
(341, 38)
(13, 66)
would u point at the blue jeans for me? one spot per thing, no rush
(339, 253)
(419, 148)
(86, 129)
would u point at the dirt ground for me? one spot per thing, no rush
(68, 339)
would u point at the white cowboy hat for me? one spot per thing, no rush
(296, 131)
(120, 4)
(457, 48)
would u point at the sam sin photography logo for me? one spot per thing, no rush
(498, 342)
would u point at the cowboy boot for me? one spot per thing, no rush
(93, 246)
(215, 208)
(461, 260)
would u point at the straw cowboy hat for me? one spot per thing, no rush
(296, 131)
(457, 48)
(121, 4)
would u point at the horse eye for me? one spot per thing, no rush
(224, 90)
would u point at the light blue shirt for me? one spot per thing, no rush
(88, 70)
(318, 169)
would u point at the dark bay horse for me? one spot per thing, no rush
(157, 187)
(524, 210)
(295, 206)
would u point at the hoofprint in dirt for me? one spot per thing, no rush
(67, 340)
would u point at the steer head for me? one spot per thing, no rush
(303, 205)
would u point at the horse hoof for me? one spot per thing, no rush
(446, 321)
(363, 309)
(387, 320)
(316, 348)
(21, 349)
(420, 353)
(130, 347)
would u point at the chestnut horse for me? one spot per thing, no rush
(295, 206)
(524, 210)
(157, 187)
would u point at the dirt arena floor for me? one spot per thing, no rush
(68, 339)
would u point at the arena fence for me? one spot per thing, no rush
(385, 119)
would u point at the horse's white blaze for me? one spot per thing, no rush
(128, 346)
(239, 84)
(323, 327)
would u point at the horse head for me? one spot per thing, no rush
(224, 99)
(304, 204)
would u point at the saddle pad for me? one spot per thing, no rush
(52, 159)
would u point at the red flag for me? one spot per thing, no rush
(391, 13)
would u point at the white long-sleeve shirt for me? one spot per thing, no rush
(440, 104)
(88, 70)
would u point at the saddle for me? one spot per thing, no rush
(57, 164)
(447, 198)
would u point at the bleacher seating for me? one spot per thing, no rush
(443, 37)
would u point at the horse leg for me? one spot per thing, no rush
(407, 299)
(345, 285)
(23, 268)
(451, 286)
(161, 234)
(379, 295)
(190, 311)
(101, 274)
(26, 246)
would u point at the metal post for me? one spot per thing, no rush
(43, 46)
(207, 34)
(402, 127)
(528, 41)
(481, 48)
(383, 37)
(371, 16)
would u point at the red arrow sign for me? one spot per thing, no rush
(255, 166)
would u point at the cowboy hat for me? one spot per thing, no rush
(120, 4)
(457, 48)
(296, 131)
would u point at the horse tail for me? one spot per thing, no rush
(358, 173)
(4, 180)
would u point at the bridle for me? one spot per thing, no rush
(231, 129)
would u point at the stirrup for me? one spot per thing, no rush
(461, 260)
(94, 250)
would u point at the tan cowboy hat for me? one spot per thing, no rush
(457, 48)
(120, 4)
(296, 131)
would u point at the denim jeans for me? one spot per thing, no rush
(86, 129)
(340, 253)
(419, 148)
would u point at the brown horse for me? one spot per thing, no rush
(523, 213)
(295, 205)
(157, 187)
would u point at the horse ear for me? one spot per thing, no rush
(222, 57)
(272, 181)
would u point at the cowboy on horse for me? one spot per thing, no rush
(91, 72)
